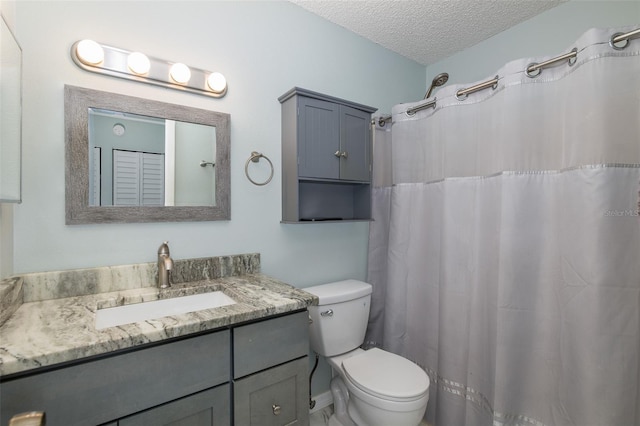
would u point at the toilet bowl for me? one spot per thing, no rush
(383, 388)
(372, 387)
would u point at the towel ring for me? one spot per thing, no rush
(255, 157)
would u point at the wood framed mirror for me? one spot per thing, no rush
(136, 160)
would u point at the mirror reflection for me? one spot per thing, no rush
(138, 160)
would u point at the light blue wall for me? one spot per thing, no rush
(548, 34)
(264, 49)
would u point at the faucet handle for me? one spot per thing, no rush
(164, 248)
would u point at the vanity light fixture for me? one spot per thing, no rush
(96, 57)
(217, 82)
(180, 73)
(89, 52)
(138, 63)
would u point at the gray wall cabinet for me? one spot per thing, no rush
(187, 382)
(326, 158)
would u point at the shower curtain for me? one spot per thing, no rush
(505, 247)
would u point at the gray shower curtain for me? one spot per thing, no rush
(505, 250)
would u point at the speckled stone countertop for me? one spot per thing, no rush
(48, 331)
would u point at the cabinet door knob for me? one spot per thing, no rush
(344, 154)
(337, 153)
(276, 409)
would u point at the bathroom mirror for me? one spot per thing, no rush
(10, 116)
(135, 160)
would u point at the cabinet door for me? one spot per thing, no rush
(318, 139)
(355, 144)
(207, 408)
(274, 397)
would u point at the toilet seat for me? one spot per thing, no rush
(386, 375)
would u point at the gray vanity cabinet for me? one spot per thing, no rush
(257, 372)
(102, 390)
(326, 158)
(271, 384)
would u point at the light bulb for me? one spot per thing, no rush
(180, 73)
(89, 52)
(138, 63)
(216, 82)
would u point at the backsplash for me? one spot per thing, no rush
(186, 270)
(11, 295)
(81, 282)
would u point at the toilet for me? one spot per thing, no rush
(369, 387)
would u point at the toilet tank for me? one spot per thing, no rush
(339, 322)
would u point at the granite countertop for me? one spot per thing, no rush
(47, 332)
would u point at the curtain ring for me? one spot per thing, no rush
(255, 157)
(613, 44)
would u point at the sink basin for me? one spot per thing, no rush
(127, 314)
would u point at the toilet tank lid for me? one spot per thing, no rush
(339, 291)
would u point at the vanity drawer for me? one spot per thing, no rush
(264, 344)
(274, 397)
(108, 388)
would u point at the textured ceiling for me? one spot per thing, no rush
(427, 30)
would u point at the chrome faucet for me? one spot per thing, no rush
(165, 265)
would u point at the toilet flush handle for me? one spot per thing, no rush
(328, 313)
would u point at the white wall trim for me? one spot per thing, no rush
(323, 400)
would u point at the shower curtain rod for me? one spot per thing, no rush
(618, 37)
(431, 104)
(533, 70)
(463, 93)
(382, 121)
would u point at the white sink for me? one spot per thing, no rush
(127, 314)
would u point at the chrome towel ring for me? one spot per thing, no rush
(255, 157)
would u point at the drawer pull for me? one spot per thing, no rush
(328, 313)
(276, 409)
